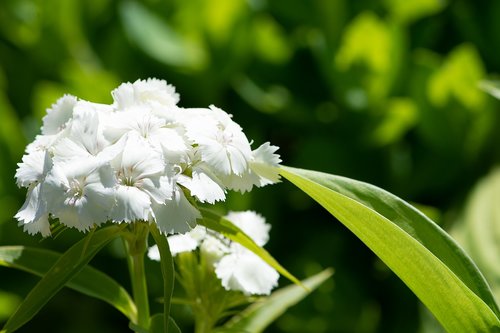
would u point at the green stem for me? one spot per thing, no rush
(140, 291)
(136, 245)
(167, 270)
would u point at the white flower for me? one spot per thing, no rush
(241, 269)
(142, 158)
(79, 193)
(252, 224)
(220, 141)
(237, 267)
(139, 170)
(247, 273)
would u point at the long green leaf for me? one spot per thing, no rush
(431, 264)
(89, 281)
(222, 225)
(68, 265)
(261, 314)
(167, 271)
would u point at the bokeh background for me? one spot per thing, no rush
(382, 91)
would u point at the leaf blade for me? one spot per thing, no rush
(89, 281)
(361, 208)
(68, 265)
(261, 314)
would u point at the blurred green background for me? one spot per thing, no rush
(382, 91)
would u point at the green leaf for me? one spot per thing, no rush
(157, 324)
(68, 265)
(222, 225)
(261, 314)
(158, 39)
(167, 271)
(89, 281)
(431, 264)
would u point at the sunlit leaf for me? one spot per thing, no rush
(157, 39)
(407, 11)
(89, 281)
(262, 313)
(401, 114)
(457, 78)
(271, 43)
(428, 261)
(68, 265)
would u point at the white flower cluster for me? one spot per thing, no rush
(237, 267)
(142, 158)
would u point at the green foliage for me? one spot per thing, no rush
(263, 313)
(65, 268)
(416, 249)
(89, 281)
(386, 92)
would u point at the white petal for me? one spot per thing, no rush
(181, 243)
(215, 155)
(176, 215)
(33, 207)
(265, 164)
(66, 150)
(33, 167)
(252, 224)
(160, 189)
(246, 272)
(131, 205)
(143, 91)
(58, 115)
(140, 159)
(154, 253)
(41, 226)
(213, 249)
(203, 185)
(243, 183)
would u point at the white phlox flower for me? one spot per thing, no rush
(237, 267)
(141, 158)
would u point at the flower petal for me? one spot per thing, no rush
(247, 273)
(176, 215)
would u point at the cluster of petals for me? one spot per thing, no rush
(237, 267)
(142, 158)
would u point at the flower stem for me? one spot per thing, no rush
(167, 270)
(136, 245)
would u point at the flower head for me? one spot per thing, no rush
(142, 158)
